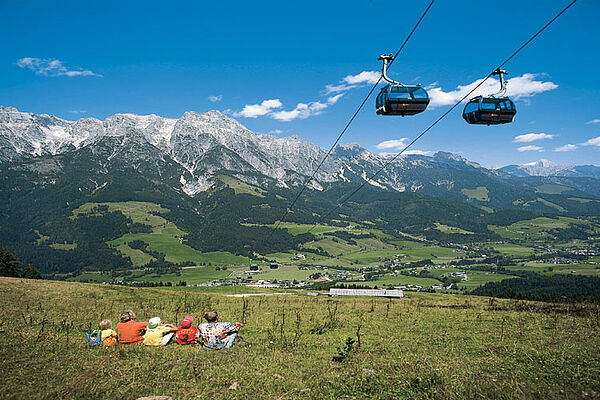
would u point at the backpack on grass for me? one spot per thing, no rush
(94, 338)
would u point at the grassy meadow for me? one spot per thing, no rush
(425, 346)
(165, 238)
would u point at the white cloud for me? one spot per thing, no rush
(593, 142)
(276, 132)
(530, 137)
(333, 99)
(594, 121)
(78, 111)
(566, 147)
(395, 144)
(214, 99)
(353, 81)
(52, 67)
(519, 87)
(338, 88)
(257, 110)
(530, 148)
(303, 110)
(364, 77)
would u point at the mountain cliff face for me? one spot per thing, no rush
(209, 144)
(190, 153)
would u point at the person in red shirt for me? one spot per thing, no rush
(187, 334)
(130, 331)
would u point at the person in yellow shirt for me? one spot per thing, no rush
(158, 334)
(107, 334)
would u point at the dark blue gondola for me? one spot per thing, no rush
(491, 110)
(399, 99)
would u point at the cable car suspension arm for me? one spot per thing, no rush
(500, 72)
(385, 58)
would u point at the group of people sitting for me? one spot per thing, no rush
(212, 335)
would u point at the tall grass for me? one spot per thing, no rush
(428, 346)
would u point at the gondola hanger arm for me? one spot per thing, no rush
(386, 58)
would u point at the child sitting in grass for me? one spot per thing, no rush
(158, 334)
(187, 334)
(107, 334)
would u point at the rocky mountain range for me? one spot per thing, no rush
(205, 145)
(190, 152)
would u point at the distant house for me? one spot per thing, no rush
(253, 267)
(367, 292)
(274, 265)
(300, 256)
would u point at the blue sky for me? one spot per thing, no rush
(302, 67)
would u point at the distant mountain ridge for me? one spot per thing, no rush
(548, 168)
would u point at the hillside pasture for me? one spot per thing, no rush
(177, 252)
(480, 193)
(166, 238)
(451, 229)
(550, 188)
(515, 250)
(398, 280)
(425, 346)
(240, 187)
(538, 228)
(551, 269)
(284, 273)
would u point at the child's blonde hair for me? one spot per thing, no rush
(105, 324)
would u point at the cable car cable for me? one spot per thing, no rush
(308, 180)
(442, 116)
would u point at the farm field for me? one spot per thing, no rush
(479, 278)
(297, 229)
(480, 193)
(451, 229)
(166, 237)
(284, 272)
(550, 269)
(511, 249)
(549, 188)
(538, 228)
(190, 275)
(474, 278)
(435, 346)
(399, 279)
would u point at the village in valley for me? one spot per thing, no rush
(408, 265)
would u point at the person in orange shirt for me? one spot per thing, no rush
(130, 331)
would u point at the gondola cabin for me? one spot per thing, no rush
(489, 110)
(401, 100)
